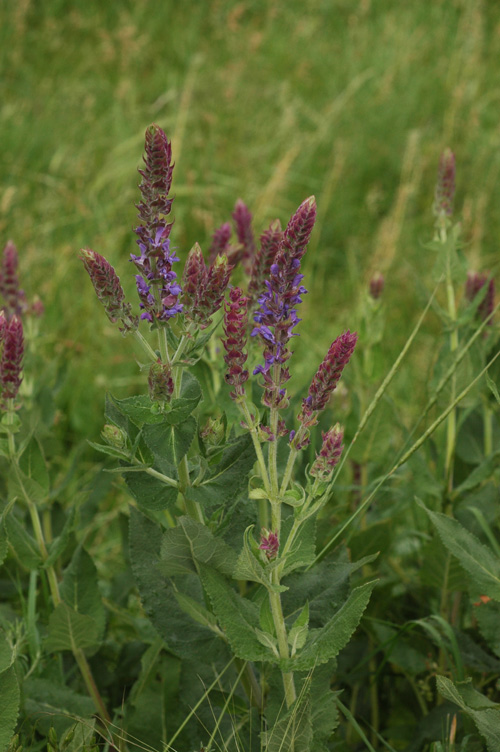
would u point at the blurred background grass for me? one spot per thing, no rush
(267, 100)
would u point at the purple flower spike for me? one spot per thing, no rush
(220, 242)
(155, 185)
(235, 328)
(108, 289)
(204, 288)
(276, 317)
(269, 543)
(269, 245)
(327, 377)
(243, 223)
(329, 455)
(445, 186)
(14, 298)
(12, 350)
(159, 290)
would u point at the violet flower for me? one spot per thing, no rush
(156, 284)
(235, 328)
(327, 377)
(109, 290)
(329, 455)
(276, 317)
(11, 358)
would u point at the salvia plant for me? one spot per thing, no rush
(247, 566)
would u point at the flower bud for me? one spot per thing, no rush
(445, 186)
(377, 284)
(269, 543)
(114, 436)
(160, 382)
(235, 328)
(108, 289)
(213, 431)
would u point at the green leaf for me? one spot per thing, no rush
(325, 643)
(176, 555)
(118, 454)
(49, 704)
(4, 543)
(151, 494)
(479, 474)
(80, 591)
(303, 549)
(138, 410)
(293, 729)
(59, 544)
(182, 407)
(24, 545)
(169, 442)
(69, 630)
(9, 706)
(32, 464)
(298, 633)
(206, 548)
(248, 567)
(237, 616)
(183, 636)
(484, 712)
(82, 734)
(228, 477)
(196, 611)
(492, 386)
(474, 557)
(6, 653)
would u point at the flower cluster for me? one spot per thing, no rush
(329, 455)
(11, 355)
(157, 283)
(269, 245)
(14, 299)
(235, 328)
(204, 287)
(269, 543)
(109, 290)
(327, 377)
(474, 283)
(276, 317)
(445, 186)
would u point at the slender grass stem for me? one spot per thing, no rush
(406, 456)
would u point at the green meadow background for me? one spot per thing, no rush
(270, 101)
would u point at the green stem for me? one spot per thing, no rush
(279, 625)
(256, 443)
(451, 433)
(145, 345)
(488, 430)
